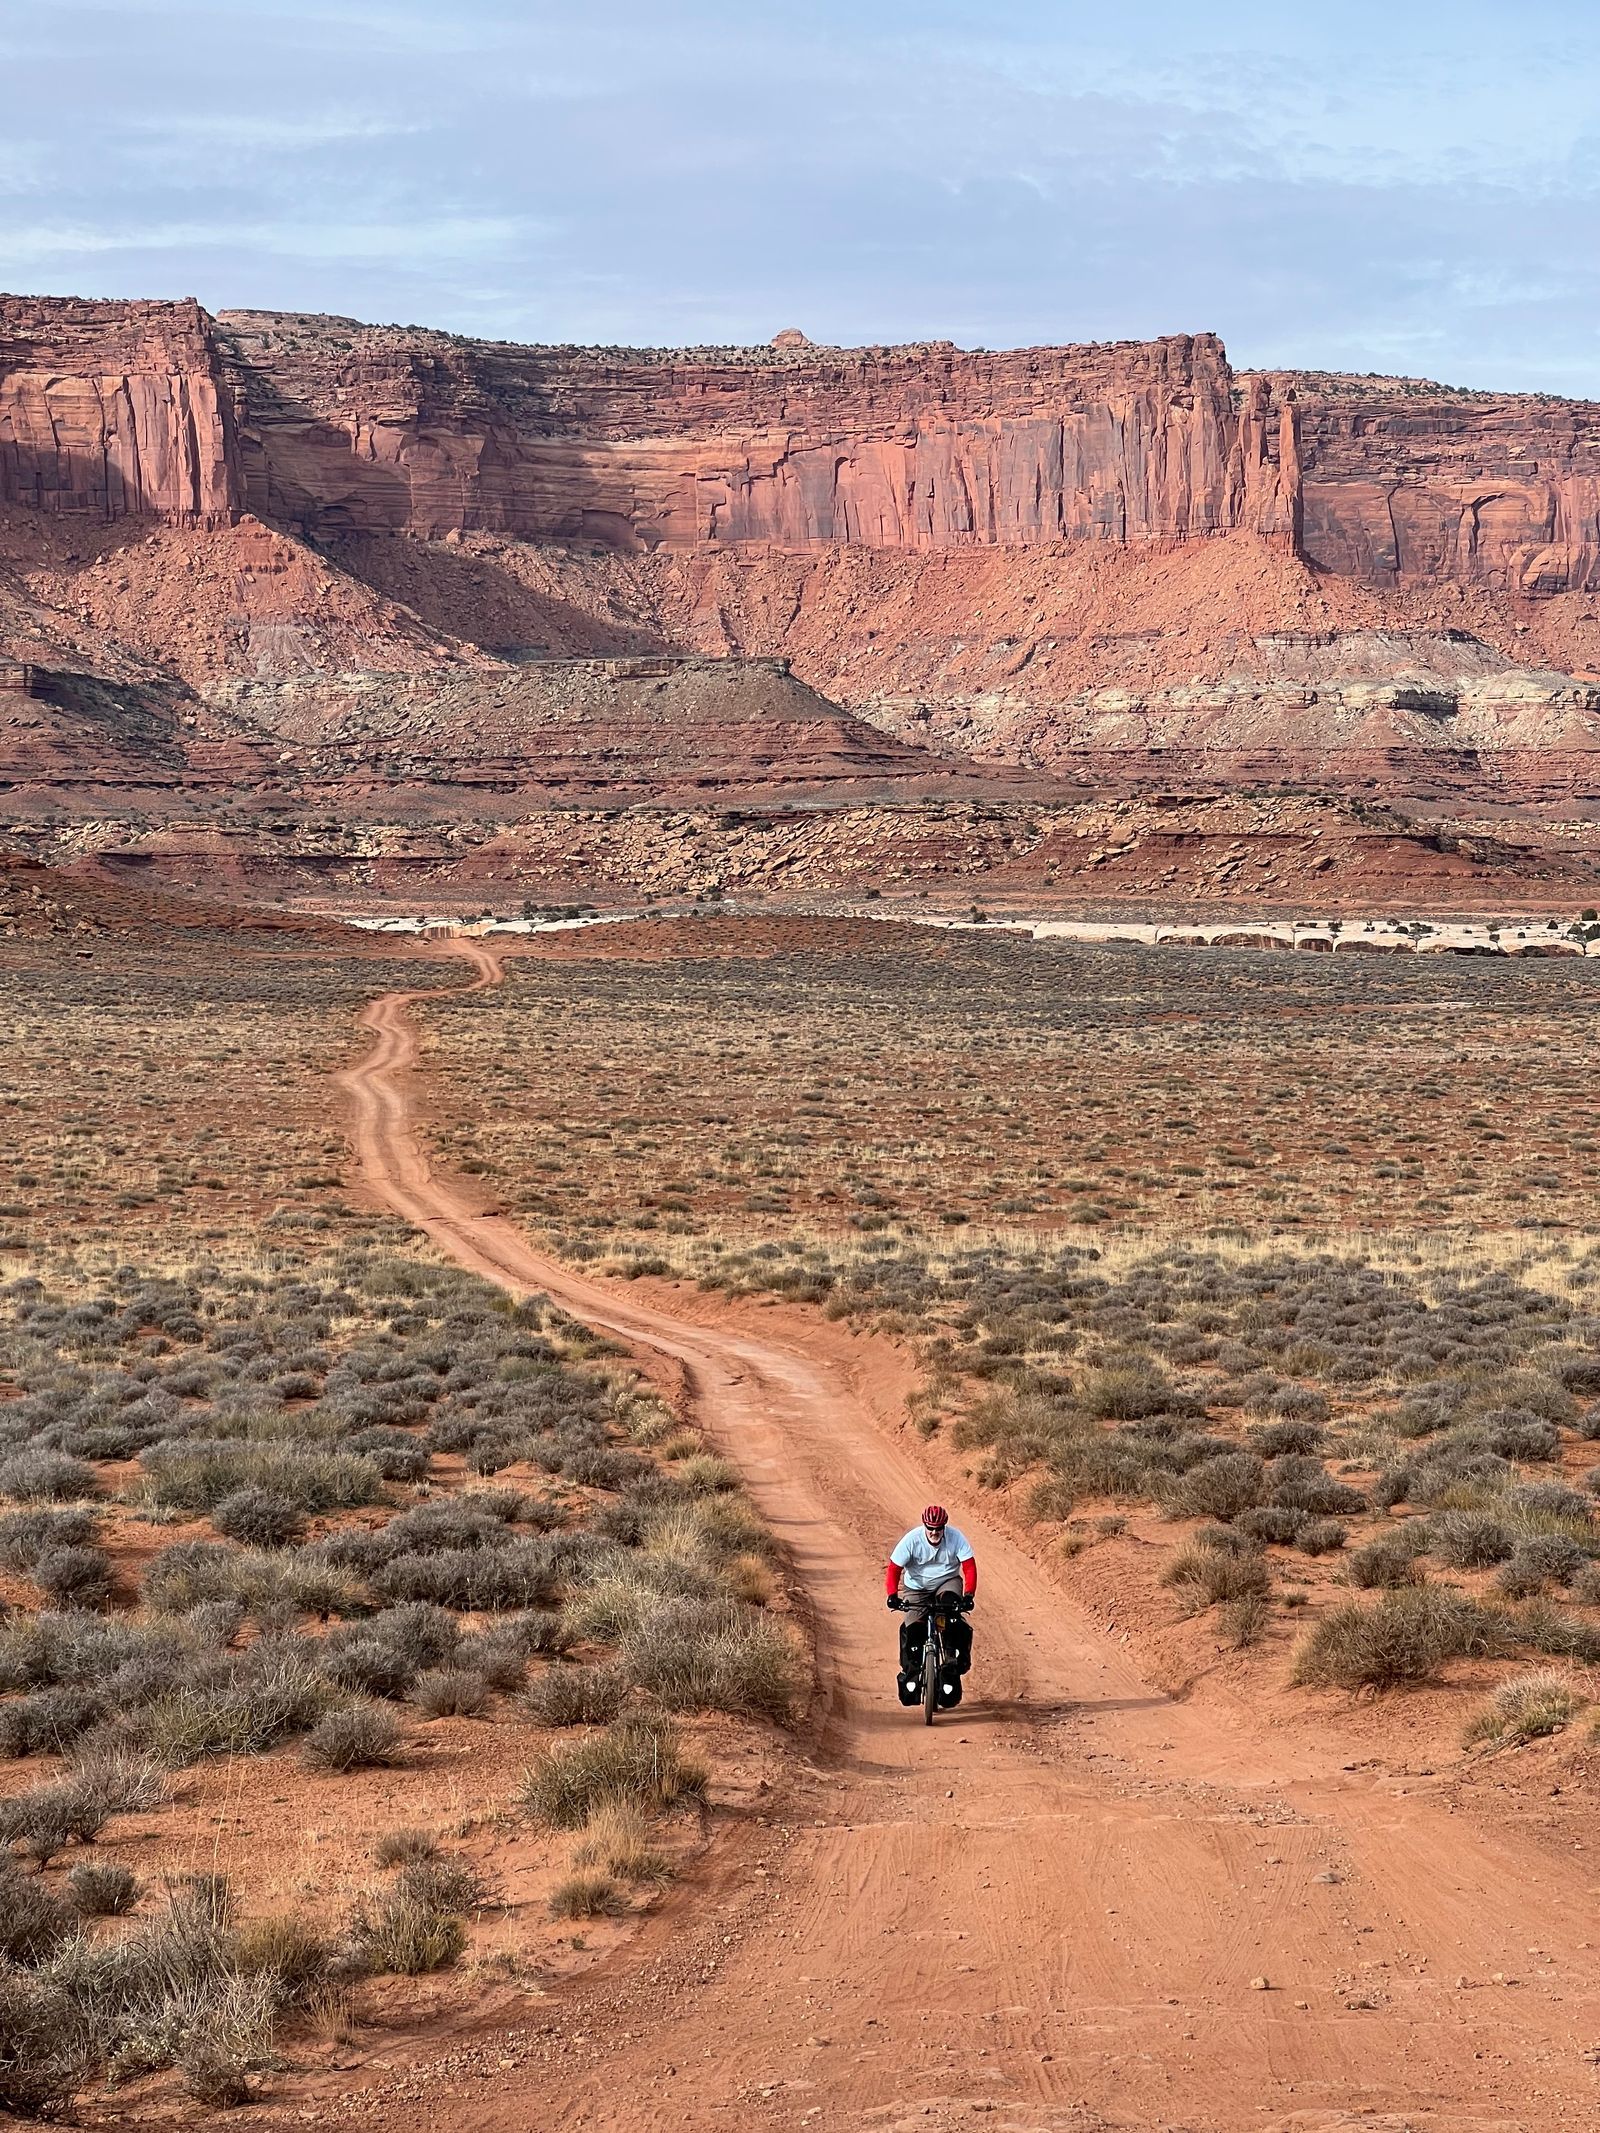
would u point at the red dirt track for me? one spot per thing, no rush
(1052, 1910)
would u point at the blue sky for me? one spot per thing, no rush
(1410, 187)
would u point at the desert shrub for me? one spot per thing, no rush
(518, 1575)
(714, 1655)
(27, 1535)
(240, 1706)
(396, 1846)
(421, 1632)
(1586, 1586)
(1562, 1636)
(1470, 1540)
(288, 1951)
(74, 1577)
(1273, 1440)
(122, 1781)
(637, 1761)
(617, 1839)
(197, 1474)
(367, 1666)
(1273, 1524)
(1127, 1391)
(1299, 1404)
(498, 1655)
(704, 1474)
(1525, 1708)
(40, 1476)
(1386, 1562)
(575, 1695)
(102, 1889)
(260, 1518)
(1244, 1621)
(1323, 1536)
(450, 1692)
(1544, 1561)
(357, 1737)
(228, 2036)
(1219, 1487)
(33, 1922)
(1206, 1576)
(48, 1721)
(46, 2052)
(1407, 1636)
(445, 1881)
(405, 1935)
(1512, 1435)
(1303, 1483)
(589, 1893)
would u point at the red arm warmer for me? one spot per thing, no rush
(969, 1576)
(891, 1579)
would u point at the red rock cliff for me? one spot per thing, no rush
(115, 410)
(1404, 482)
(338, 428)
(362, 429)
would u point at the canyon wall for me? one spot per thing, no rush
(1407, 483)
(356, 429)
(333, 428)
(113, 410)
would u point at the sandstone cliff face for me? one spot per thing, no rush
(112, 410)
(336, 428)
(361, 429)
(1407, 483)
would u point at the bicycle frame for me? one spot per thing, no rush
(936, 1624)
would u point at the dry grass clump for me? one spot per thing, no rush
(1207, 1575)
(1407, 1637)
(1528, 1707)
(636, 1762)
(358, 1737)
(590, 1894)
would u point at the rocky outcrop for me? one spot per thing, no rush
(112, 410)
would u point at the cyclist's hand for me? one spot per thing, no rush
(893, 1602)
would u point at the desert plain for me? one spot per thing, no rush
(575, 1057)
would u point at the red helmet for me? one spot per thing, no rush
(936, 1518)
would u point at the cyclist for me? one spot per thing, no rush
(934, 1557)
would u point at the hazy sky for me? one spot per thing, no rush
(1411, 186)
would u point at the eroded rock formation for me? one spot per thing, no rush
(114, 410)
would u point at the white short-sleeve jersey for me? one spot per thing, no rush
(925, 1568)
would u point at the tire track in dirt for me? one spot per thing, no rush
(1050, 1908)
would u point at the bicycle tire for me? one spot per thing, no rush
(930, 1674)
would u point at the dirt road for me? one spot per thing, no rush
(1053, 1911)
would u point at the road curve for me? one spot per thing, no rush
(1053, 1911)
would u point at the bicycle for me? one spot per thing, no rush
(935, 1655)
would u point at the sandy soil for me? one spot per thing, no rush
(1075, 1904)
